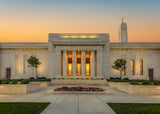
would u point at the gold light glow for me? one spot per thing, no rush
(79, 36)
(87, 69)
(78, 69)
(70, 69)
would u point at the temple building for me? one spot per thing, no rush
(81, 55)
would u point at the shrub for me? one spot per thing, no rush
(146, 82)
(156, 82)
(14, 81)
(134, 83)
(125, 78)
(5, 81)
(25, 81)
(41, 78)
(31, 78)
(20, 79)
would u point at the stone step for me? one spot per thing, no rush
(78, 82)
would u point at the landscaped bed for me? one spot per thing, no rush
(135, 108)
(79, 89)
(22, 107)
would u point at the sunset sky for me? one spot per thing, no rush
(32, 20)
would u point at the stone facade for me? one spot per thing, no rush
(101, 55)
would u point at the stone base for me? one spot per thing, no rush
(78, 82)
(42, 84)
(140, 89)
(18, 88)
(115, 84)
(78, 92)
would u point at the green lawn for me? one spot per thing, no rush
(22, 107)
(135, 108)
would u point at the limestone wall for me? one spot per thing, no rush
(15, 57)
(150, 59)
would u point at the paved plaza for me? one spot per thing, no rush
(79, 103)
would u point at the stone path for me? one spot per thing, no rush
(78, 103)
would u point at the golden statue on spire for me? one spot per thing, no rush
(123, 19)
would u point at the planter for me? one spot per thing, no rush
(78, 82)
(140, 89)
(18, 88)
(42, 84)
(115, 84)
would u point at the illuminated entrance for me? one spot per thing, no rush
(78, 63)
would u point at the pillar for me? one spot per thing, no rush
(83, 63)
(99, 63)
(64, 64)
(93, 64)
(74, 65)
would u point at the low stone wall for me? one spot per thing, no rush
(78, 82)
(18, 88)
(42, 84)
(115, 84)
(140, 89)
(78, 92)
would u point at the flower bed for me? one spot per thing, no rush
(79, 89)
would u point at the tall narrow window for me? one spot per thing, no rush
(25, 64)
(62, 62)
(95, 63)
(141, 67)
(78, 63)
(132, 67)
(69, 62)
(88, 63)
(123, 69)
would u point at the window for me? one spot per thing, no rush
(141, 67)
(132, 67)
(123, 68)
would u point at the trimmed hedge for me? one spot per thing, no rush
(135, 82)
(145, 82)
(5, 81)
(24, 81)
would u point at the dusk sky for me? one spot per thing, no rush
(32, 20)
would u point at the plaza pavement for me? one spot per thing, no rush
(79, 103)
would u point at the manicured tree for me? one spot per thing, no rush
(34, 62)
(119, 64)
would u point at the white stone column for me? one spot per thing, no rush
(93, 64)
(83, 63)
(64, 64)
(74, 65)
(58, 63)
(99, 63)
(51, 61)
(128, 65)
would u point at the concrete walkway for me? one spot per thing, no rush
(78, 103)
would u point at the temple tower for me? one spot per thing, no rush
(123, 36)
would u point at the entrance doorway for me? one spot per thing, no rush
(8, 73)
(150, 74)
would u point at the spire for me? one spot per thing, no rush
(123, 35)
